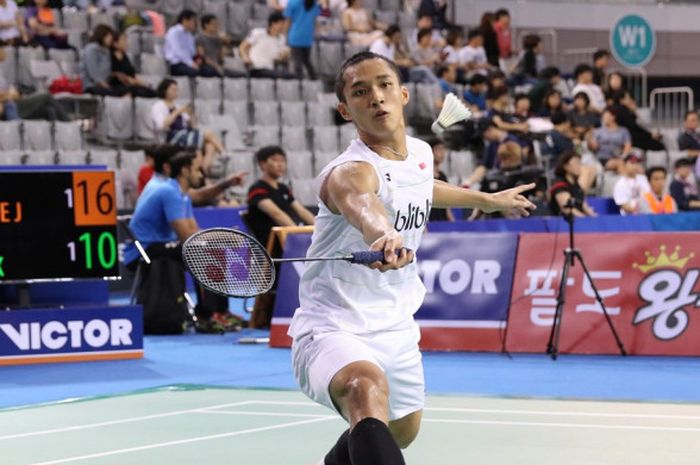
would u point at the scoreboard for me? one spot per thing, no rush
(57, 225)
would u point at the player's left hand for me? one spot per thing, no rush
(512, 199)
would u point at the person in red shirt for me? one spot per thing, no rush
(503, 33)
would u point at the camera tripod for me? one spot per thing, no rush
(570, 256)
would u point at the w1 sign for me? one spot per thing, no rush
(632, 41)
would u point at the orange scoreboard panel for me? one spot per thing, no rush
(57, 224)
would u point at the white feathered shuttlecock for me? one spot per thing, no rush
(453, 111)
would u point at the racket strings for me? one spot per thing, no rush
(230, 264)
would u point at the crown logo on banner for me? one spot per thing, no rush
(664, 260)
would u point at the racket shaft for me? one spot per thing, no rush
(360, 258)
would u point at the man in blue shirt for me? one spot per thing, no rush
(475, 95)
(302, 16)
(163, 219)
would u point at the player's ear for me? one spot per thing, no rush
(405, 95)
(343, 110)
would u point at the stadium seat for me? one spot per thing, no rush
(24, 57)
(242, 161)
(347, 134)
(350, 49)
(184, 85)
(319, 114)
(391, 5)
(151, 80)
(67, 135)
(133, 41)
(387, 16)
(310, 90)
(461, 163)
(108, 158)
(293, 113)
(322, 159)
(266, 113)
(216, 8)
(10, 135)
(142, 119)
(37, 135)
(674, 156)
(299, 164)
(40, 157)
(236, 89)
(72, 157)
(426, 94)
(372, 5)
(238, 15)
(294, 138)
(9, 68)
(410, 109)
(107, 17)
(261, 11)
(173, 7)
(288, 90)
(406, 20)
(303, 191)
(670, 136)
(117, 120)
(153, 64)
(330, 57)
(239, 110)
(11, 157)
(43, 72)
(66, 59)
(209, 116)
(609, 181)
(75, 20)
(325, 139)
(262, 90)
(209, 88)
(265, 135)
(655, 158)
(128, 160)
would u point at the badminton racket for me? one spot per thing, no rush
(232, 263)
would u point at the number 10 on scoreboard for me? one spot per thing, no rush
(92, 198)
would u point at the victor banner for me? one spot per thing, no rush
(648, 282)
(468, 277)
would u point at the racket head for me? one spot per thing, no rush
(229, 262)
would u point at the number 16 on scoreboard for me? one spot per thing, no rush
(92, 198)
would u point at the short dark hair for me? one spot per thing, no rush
(100, 32)
(531, 41)
(275, 17)
(496, 93)
(441, 70)
(391, 30)
(582, 68)
(501, 12)
(656, 169)
(549, 72)
(600, 53)
(558, 118)
(206, 19)
(478, 79)
(162, 155)
(454, 34)
(685, 161)
(564, 158)
(424, 32)
(268, 151)
(474, 33)
(520, 96)
(184, 15)
(584, 96)
(163, 86)
(181, 160)
(433, 141)
(355, 60)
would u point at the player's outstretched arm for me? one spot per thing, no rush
(350, 190)
(448, 196)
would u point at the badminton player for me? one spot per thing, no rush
(355, 342)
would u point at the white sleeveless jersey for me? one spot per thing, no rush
(338, 295)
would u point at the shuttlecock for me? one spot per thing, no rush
(453, 111)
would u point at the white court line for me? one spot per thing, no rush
(117, 422)
(561, 425)
(554, 413)
(261, 414)
(184, 441)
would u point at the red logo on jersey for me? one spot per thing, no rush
(422, 165)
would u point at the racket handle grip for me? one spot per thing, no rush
(371, 256)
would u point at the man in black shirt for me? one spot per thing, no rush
(270, 202)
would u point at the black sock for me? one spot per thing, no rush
(339, 455)
(371, 443)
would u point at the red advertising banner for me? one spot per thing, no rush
(648, 282)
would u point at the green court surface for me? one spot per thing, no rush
(231, 426)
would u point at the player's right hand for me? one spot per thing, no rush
(390, 242)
